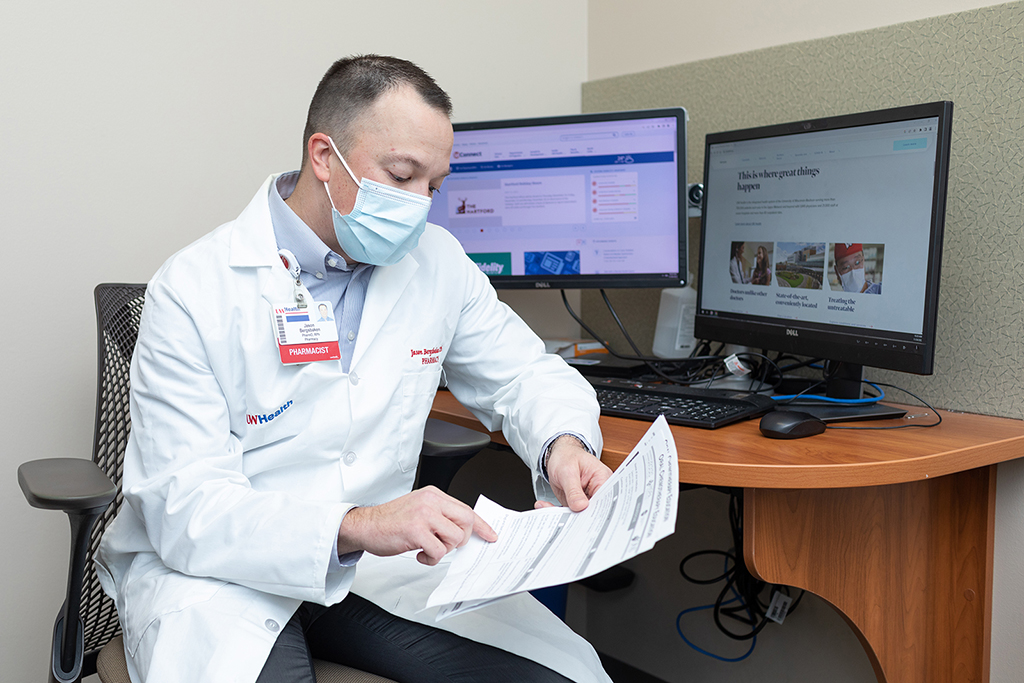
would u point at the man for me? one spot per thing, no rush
(255, 483)
(849, 267)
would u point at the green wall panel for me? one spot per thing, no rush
(974, 58)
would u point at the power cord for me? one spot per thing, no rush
(712, 361)
(877, 386)
(938, 417)
(744, 588)
(679, 627)
(694, 369)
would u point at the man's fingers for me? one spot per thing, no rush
(427, 519)
(454, 534)
(573, 496)
(596, 479)
(483, 529)
(432, 552)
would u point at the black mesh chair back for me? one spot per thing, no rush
(118, 312)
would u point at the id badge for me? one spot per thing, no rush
(305, 335)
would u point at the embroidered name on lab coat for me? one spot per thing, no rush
(427, 356)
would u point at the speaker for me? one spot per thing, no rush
(694, 199)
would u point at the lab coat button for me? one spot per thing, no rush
(271, 625)
(350, 458)
(354, 378)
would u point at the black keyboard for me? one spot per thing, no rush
(687, 406)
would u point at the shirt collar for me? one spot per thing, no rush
(293, 234)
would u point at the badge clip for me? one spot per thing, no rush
(292, 264)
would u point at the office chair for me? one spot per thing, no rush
(85, 490)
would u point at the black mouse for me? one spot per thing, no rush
(790, 424)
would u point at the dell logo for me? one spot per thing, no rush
(792, 333)
(542, 285)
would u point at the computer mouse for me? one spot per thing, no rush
(790, 424)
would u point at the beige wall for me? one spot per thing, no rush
(129, 129)
(627, 37)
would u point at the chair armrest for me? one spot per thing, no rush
(81, 489)
(444, 439)
(69, 484)
(446, 447)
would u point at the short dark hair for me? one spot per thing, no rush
(353, 84)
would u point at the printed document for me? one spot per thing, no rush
(632, 510)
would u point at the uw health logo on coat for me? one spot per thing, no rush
(267, 417)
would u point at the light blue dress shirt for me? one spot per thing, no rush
(324, 273)
(328, 277)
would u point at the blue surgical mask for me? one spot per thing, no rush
(385, 223)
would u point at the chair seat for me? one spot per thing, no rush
(112, 668)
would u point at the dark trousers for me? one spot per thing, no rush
(358, 633)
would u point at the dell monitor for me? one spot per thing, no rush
(594, 200)
(823, 238)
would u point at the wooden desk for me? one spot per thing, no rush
(894, 528)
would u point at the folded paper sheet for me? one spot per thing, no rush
(635, 508)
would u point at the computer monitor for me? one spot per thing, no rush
(594, 200)
(823, 238)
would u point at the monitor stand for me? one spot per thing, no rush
(847, 382)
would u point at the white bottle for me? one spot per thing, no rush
(673, 335)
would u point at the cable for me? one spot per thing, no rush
(609, 349)
(828, 399)
(716, 606)
(704, 582)
(679, 630)
(651, 362)
(764, 374)
(796, 366)
(938, 418)
(622, 328)
(745, 589)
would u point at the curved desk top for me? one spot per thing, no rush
(738, 455)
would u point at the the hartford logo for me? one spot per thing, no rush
(263, 419)
(465, 208)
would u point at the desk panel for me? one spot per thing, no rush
(894, 528)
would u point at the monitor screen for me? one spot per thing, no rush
(824, 238)
(595, 200)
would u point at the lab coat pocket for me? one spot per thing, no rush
(159, 591)
(418, 389)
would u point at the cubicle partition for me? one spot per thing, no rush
(972, 58)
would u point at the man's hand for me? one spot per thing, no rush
(426, 519)
(574, 474)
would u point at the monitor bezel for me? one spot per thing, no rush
(834, 342)
(607, 281)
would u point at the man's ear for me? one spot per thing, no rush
(318, 150)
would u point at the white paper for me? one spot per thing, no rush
(635, 508)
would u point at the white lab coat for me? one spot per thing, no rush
(230, 519)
